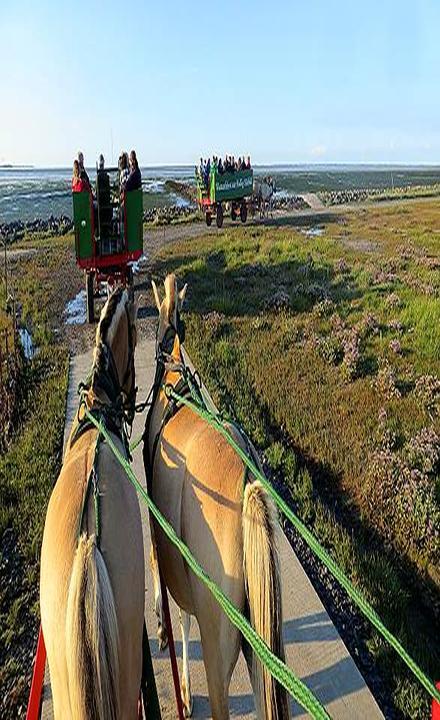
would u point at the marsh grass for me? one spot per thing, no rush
(31, 463)
(370, 280)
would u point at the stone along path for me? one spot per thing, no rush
(314, 650)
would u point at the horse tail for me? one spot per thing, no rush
(263, 586)
(92, 640)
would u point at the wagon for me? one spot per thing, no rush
(234, 188)
(108, 233)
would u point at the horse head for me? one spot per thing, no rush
(113, 360)
(170, 330)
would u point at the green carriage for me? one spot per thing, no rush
(234, 188)
(108, 233)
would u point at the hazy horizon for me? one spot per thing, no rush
(285, 164)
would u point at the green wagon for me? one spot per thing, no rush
(234, 188)
(108, 233)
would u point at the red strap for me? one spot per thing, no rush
(33, 709)
(436, 706)
(174, 668)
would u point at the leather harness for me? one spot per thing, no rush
(116, 416)
(188, 385)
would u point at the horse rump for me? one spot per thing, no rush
(92, 642)
(263, 589)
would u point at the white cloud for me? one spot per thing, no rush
(318, 151)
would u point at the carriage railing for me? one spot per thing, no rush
(100, 232)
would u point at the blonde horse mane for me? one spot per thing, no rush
(108, 323)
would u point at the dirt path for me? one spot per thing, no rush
(157, 237)
(313, 200)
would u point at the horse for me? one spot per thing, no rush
(227, 520)
(264, 191)
(92, 557)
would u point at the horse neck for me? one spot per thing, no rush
(100, 391)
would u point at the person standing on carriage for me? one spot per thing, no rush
(134, 180)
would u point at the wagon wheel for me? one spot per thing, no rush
(130, 282)
(219, 217)
(243, 211)
(90, 277)
(233, 213)
(208, 218)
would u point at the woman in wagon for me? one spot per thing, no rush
(82, 170)
(134, 180)
(78, 183)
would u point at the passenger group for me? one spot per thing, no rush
(228, 165)
(129, 173)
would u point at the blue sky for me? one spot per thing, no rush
(316, 81)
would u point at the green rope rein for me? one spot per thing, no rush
(369, 612)
(136, 442)
(276, 667)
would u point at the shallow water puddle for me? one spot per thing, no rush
(26, 343)
(75, 310)
(138, 265)
(313, 231)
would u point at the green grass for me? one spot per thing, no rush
(29, 468)
(162, 219)
(322, 392)
(31, 463)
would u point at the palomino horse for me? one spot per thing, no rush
(227, 520)
(92, 559)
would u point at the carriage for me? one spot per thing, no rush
(234, 188)
(108, 233)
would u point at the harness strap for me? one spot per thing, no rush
(250, 451)
(92, 485)
(148, 681)
(172, 649)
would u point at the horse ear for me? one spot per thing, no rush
(182, 294)
(156, 294)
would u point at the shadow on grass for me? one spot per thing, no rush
(316, 217)
(248, 288)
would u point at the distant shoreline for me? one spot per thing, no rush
(9, 166)
(312, 166)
